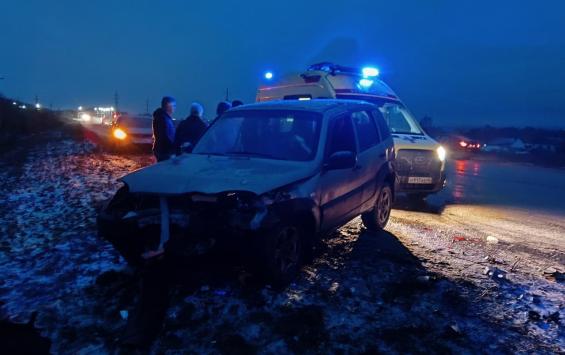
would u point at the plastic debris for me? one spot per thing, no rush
(534, 316)
(495, 273)
(553, 317)
(124, 314)
(423, 279)
(492, 240)
(453, 330)
(459, 238)
(333, 288)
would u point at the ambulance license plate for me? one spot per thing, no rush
(419, 180)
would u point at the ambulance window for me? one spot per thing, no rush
(366, 130)
(399, 120)
(383, 128)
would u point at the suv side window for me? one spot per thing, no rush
(341, 136)
(381, 123)
(366, 130)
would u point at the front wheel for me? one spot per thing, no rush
(377, 218)
(281, 254)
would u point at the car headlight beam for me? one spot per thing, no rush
(119, 134)
(441, 153)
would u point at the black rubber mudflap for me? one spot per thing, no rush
(146, 320)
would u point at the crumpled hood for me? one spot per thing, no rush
(214, 174)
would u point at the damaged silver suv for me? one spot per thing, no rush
(264, 182)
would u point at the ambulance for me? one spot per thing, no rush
(419, 159)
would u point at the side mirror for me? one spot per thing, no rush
(341, 160)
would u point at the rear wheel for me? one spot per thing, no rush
(377, 218)
(281, 255)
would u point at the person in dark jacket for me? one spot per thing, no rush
(190, 130)
(222, 107)
(164, 129)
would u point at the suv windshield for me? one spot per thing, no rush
(272, 134)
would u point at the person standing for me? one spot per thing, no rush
(190, 130)
(164, 129)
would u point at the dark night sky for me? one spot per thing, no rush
(462, 62)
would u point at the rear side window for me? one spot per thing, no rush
(366, 130)
(383, 127)
(341, 136)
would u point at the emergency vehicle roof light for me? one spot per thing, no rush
(370, 72)
(366, 83)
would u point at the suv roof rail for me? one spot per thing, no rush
(333, 68)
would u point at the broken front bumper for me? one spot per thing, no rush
(191, 233)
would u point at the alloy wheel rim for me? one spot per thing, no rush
(384, 206)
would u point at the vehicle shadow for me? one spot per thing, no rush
(428, 205)
(357, 277)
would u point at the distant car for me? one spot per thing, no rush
(132, 130)
(265, 181)
(460, 146)
(420, 160)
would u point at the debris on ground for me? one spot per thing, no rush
(492, 240)
(495, 273)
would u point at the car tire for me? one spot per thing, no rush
(377, 218)
(281, 254)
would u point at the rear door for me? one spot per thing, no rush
(371, 156)
(341, 190)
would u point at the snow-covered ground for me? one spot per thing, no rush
(420, 287)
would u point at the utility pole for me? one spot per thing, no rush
(147, 106)
(227, 94)
(116, 101)
(36, 99)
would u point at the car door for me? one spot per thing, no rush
(341, 190)
(371, 155)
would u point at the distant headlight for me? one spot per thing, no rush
(85, 117)
(120, 134)
(441, 153)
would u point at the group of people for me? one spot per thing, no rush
(168, 140)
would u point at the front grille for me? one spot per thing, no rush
(414, 162)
